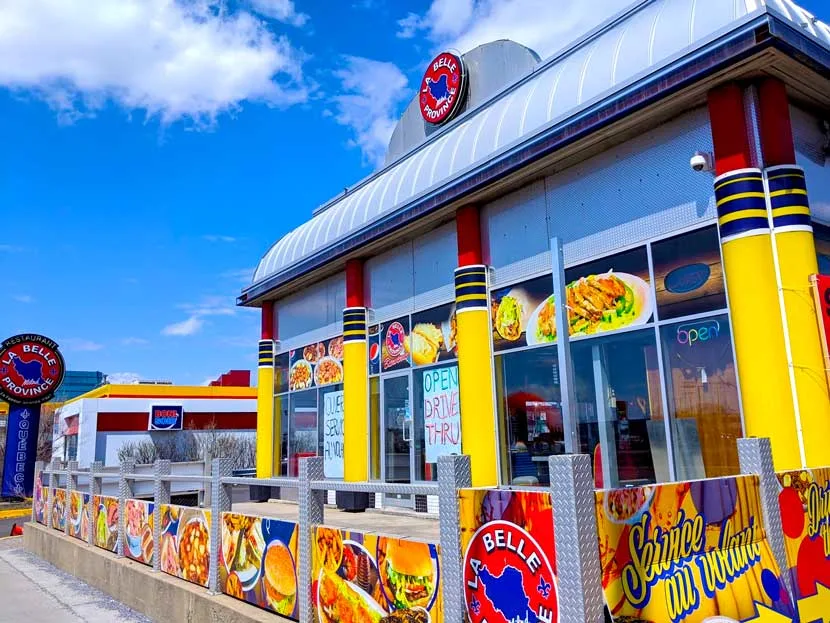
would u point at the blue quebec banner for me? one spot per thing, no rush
(21, 450)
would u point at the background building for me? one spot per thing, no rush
(98, 424)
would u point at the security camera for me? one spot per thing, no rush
(701, 161)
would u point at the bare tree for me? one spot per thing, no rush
(44, 435)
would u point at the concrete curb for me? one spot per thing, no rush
(154, 594)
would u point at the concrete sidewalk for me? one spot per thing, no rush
(34, 591)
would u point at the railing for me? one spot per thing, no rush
(571, 495)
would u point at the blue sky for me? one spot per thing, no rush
(151, 153)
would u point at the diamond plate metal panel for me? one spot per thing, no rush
(311, 514)
(575, 535)
(125, 490)
(71, 485)
(755, 457)
(453, 474)
(161, 495)
(220, 502)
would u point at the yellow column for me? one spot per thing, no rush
(755, 312)
(796, 253)
(475, 374)
(266, 425)
(355, 396)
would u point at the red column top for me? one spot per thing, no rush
(468, 229)
(354, 284)
(729, 129)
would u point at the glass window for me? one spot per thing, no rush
(281, 373)
(330, 418)
(529, 398)
(821, 235)
(618, 406)
(626, 436)
(374, 427)
(688, 276)
(437, 418)
(703, 397)
(303, 434)
(281, 411)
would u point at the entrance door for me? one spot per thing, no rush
(397, 435)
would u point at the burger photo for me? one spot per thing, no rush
(409, 573)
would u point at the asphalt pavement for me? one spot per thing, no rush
(34, 591)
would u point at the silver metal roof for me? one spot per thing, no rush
(633, 44)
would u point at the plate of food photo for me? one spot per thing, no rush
(301, 375)
(193, 540)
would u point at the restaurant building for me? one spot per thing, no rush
(97, 424)
(669, 154)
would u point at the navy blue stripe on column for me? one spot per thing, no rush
(354, 324)
(470, 288)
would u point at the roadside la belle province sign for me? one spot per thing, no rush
(31, 370)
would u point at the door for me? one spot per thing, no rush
(397, 435)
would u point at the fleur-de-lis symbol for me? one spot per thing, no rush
(543, 588)
(475, 606)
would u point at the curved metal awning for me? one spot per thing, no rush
(634, 44)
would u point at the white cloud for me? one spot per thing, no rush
(215, 238)
(188, 59)
(242, 275)
(211, 306)
(197, 312)
(10, 248)
(282, 10)
(123, 378)
(79, 344)
(190, 326)
(372, 93)
(23, 298)
(444, 18)
(134, 341)
(542, 25)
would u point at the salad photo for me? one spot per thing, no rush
(105, 522)
(600, 298)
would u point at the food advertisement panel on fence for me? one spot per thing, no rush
(804, 500)
(41, 494)
(59, 509)
(258, 562)
(79, 515)
(105, 521)
(185, 543)
(317, 364)
(509, 563)
(690, 552)
(373, 579)
(605, 295)
(138, 526)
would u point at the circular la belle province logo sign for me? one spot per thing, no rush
(31, 369)
(442, 88)
(508, 577)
